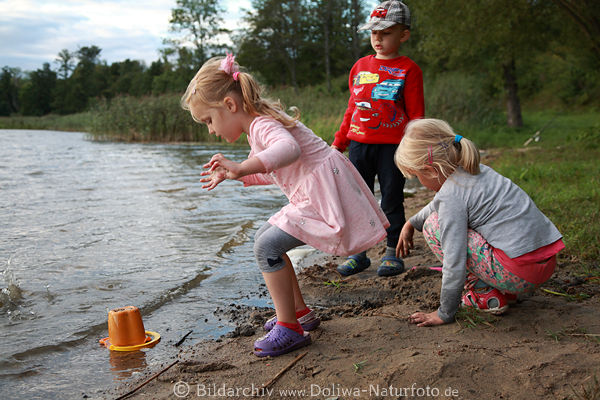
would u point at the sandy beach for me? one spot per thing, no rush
(547, 346)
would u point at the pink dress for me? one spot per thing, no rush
(331, 208)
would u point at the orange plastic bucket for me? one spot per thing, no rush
(125, 326)
(126, 331)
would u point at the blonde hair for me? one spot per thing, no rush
(211, 85)
(433, 142)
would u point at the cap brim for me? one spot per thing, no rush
(377, 25)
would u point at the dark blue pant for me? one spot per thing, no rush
(378, 160)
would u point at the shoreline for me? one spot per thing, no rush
(543, 347)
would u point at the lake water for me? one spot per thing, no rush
(86, 227)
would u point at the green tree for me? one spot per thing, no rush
(586, 15)
(277, 40)
(168, 76)
(89, 79)
(299, 42)
(128, 77)
(326, 12)
(200, 22)
(36, 95)
(9, 91)
(356, 17)
(506, 34)
(335, 24)
(66, 63)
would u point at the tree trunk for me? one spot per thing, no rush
(293, 74)
(355, 22)
(294, 46)
(327, 49)
(513, 105)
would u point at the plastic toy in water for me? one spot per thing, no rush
(126, 331)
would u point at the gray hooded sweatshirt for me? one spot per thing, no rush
(491, 205)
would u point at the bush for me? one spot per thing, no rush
(460, 99)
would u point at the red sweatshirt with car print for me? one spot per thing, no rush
(384, 96)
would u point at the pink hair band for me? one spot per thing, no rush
(228, 66)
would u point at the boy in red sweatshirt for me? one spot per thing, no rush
(386, 91)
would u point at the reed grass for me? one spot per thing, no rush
(70, 123)
(146, 119)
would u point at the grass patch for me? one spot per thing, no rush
(359, 366)
(570, 297)
(336, 284)
(589, 391)
(562, 176)
(470, 318)
(556, 336)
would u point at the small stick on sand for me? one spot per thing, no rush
(183, 339)
(390, 316)
(290, 365)
(585, 334)
(146, 382)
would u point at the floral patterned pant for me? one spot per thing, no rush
(481, 263)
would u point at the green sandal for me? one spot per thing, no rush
(390, 266)
(353, 265)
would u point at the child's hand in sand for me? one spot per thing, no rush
(405, 242)
(423, 319)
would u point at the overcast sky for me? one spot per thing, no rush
(33, 32)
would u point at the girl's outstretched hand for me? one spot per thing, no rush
(213, 178)
(405, 242)
(219, 169)
(219, 160)
(423, 319)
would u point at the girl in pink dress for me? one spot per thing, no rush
(330, 207)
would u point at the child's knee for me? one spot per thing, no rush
(267, 256)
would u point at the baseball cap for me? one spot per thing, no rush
(387, 14)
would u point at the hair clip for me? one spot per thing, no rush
(444, 145)
(430, 155)
(228, 66)
(194, 91)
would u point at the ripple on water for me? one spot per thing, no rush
(89, 227)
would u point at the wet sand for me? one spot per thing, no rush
(545, 346)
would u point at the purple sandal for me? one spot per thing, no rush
(280, 340)
(309, 322)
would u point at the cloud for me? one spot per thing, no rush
(33, 32)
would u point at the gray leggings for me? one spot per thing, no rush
(270, 244)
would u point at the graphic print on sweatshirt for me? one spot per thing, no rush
(384, 108)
